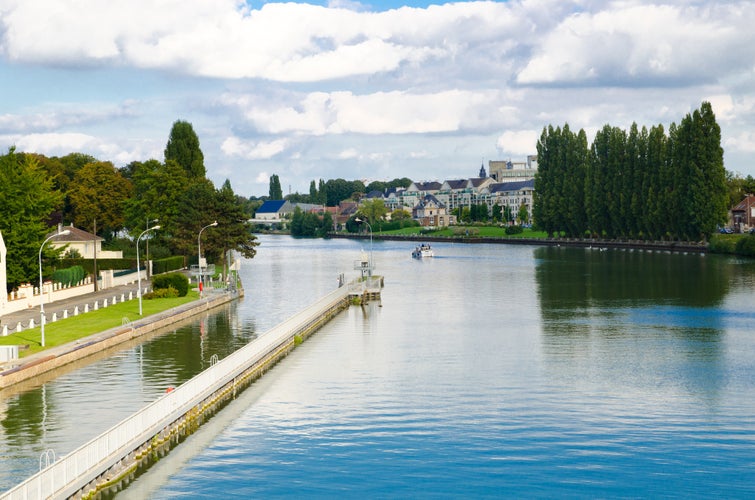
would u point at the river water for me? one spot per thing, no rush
(487, 371)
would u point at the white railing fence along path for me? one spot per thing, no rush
(72, 472)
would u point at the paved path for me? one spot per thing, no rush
(24, 316)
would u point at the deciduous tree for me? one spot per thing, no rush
(27, 200)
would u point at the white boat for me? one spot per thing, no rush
(422, 251)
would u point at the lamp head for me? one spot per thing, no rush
(214, 223)
(64, 232)
(155, 227)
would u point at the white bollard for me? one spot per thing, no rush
(5, 330)
(96, 305)
(130, 295)
(123, 298)
(86, 308)
(54, 317)
(31, 322)
(76, 311)
(104, 302)
(65, 313)
(114, 301)
(19, 327)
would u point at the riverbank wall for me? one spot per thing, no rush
(108, 463)
(30, 367)
(660, 246)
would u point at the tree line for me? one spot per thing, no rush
(642, 184)
(118, 204)
(333, 191)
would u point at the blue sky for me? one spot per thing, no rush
(368, 91)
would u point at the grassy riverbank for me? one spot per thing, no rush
(74, 328)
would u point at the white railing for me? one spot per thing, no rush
(70, 473)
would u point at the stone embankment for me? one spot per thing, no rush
(39, 364)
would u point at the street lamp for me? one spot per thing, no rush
(138, 267)
(146, 226)
(199, 253)
(357, 219)
(41, 293)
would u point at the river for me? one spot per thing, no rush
(487, 371)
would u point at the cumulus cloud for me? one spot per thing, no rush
(347, 85)
(656, 44)
(61, 144)
(518, 142)
(234, 146)
(395, 112)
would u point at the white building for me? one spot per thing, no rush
(87, 244)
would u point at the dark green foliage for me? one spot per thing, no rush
(745, 246)
(183, 148)
(640, 185)
(310, 225)
(275, 190)
(168, 264)
(514, 229)
(27, 201)
(69, 276)
(337, 190)
(102, 264)
(178, 281)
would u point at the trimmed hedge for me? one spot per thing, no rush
(102, 264)
(168, 264)
(172, 280)
(69, 276)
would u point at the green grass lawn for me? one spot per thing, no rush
(83, 325)
(460, 231)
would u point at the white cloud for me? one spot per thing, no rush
(519, 142)
(234, 146)
(396, 112)
(742, 142)
(402, 92)
(624, 44)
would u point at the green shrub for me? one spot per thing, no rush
(745, 246)
(177, 281)
(723, 243)
(69, 276)
(514, 229)
(162, 293)
(169, 264)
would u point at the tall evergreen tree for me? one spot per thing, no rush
(183, 148)
(275, 191)
(312, 192)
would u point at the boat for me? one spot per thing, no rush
(422, 251)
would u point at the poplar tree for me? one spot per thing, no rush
(275, 191)
(183, 148)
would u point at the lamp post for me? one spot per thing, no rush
(146, 226)
(41, 292)
(138, 267)
(370, 228)
(199, 253)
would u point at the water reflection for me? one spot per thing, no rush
(93, 394)
(641, 322)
